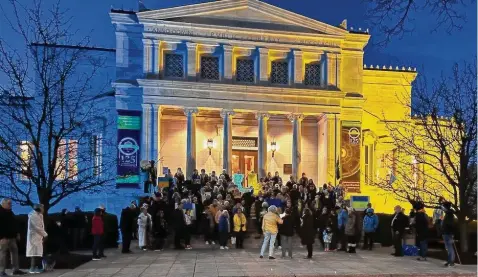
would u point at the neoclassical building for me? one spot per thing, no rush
(242, 85)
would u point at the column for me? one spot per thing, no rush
(262, 118)
(192, 60)
(156, 57)
(263, 64)
(228, 62)
(334, 128)
(227, 140)
(298, 67)
(147, 56)
(156, 134)
(146, 133)
(296, 120)
(190, 140)
(338, 70)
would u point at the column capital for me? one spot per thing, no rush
(264, 51)
(156, 42)
(190, 111)
(263, 115)
(227, 112)
(191, 45)
(227, 48)
(295, 117)
(297, 52)
(146, 107)
(147, 41)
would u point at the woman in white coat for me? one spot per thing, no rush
(145, 224)
(35, 236)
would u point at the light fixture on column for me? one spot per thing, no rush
(210, 145)
(273, 148)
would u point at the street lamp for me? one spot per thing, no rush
(273, 148)
(210, 145)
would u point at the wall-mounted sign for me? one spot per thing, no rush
(287, 169)
(350, 156)
(128, 148)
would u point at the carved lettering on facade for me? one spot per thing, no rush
(234, 36)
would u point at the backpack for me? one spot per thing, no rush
(410, 250)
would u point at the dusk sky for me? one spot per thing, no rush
(433, 52)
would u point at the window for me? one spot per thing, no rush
(173, 66)
(280, 72)
(245, 70)
(96, 154)
(312, 74)
(67, 160)
(26, 156)
(209, 68)
(369, 157)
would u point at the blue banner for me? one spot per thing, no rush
(128, 149)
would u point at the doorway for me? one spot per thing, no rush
(244, 161)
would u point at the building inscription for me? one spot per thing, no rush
(238, 36)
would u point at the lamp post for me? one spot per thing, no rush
(273, 148)
(210, 145)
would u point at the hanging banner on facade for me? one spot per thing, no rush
(350, 156)
(128, 148)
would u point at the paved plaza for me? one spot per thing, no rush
(214, 263)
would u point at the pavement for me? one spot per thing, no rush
(215, 263)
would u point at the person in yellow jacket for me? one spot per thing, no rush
(240, 223)
(269, 226)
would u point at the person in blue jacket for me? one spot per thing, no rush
(370, 225)
(342, 221)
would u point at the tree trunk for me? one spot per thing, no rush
(463, 234)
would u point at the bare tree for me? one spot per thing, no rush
(394, 18)
(435, 148)
(53, 132)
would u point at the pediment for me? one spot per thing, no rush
(252, 14)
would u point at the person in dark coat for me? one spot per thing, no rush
(179, 225)
(9, 234)
(286, 230)
(334, 226)
(257, 211)
(448, 230)
(307, 231)
(399, 223)
(160, 230)
(322, 220)
(127, 221)
(421, 229)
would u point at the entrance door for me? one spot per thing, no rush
(244, 161)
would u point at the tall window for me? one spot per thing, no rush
(96, 153)
(209, 68)
(26, 156)
(367, 159)
(312, 74)
(67, 160)
(280, 72)
(245, 70)
(173, 65)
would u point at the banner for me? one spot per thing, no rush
(359, 203)
(350, 156)
(129, 139)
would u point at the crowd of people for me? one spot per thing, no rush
(214, 207)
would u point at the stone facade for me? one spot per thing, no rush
(184, 69)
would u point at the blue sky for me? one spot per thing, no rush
(430, 52)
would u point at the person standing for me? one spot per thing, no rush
(286, 230)
(350, 231)
(240, 223)
(269, 227)
(9, 234)
(447, 230)
(342, 219)
(421, 229)
(257, 210)
(36, 235)
(370, 225)
(224, 229)
(179, 223)
(144, 228)
(438, 215)
(307, 231)
(126, 227)
(97, 230)
(399, 223)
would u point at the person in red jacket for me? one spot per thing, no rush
(97, 231)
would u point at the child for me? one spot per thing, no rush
(97, 230)
(327, 238)
(144, 227)
(224, 228)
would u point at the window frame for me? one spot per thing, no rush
(96, 154)
(289, 64)
(254, 69)
(220, 73)
(29, 149)
(180, 53)
(321, 80)
(65, 176)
